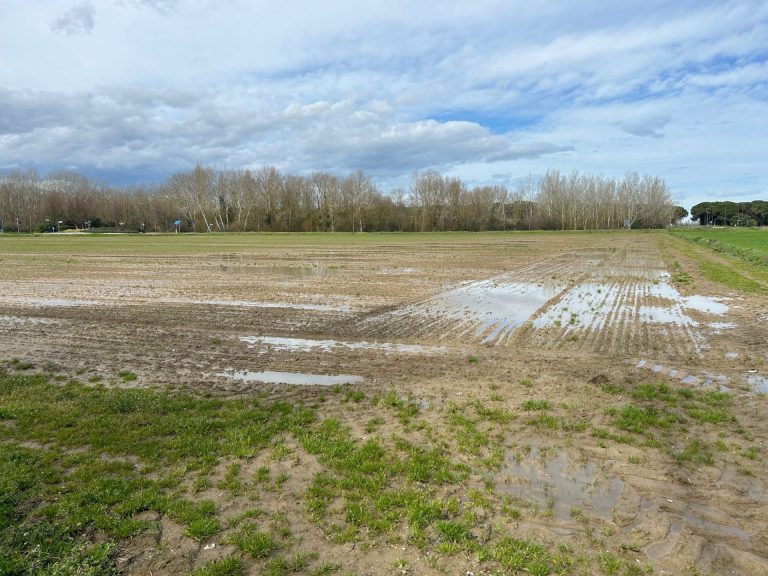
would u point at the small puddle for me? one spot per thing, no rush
(758, 383)
(664, 547)
(14, 320)
(393, 271)
(703, 379)
(718, 327)
(708, 527)
(705, 304)
(54, 302)
(291, 378)
(308, 345)
(555, 482)
(697, 525)
(253, 304)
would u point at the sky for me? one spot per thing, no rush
(492, 91)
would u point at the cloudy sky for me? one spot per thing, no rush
(490, 90)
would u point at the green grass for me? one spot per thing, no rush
(730, 277)
(751, 243)
(108, 456)
(537, 405)
(230, 566)
(49, 245)
(253, 541)
(127, 376)
(747, 271)
(659, 413)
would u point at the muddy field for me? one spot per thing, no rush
(575, 321)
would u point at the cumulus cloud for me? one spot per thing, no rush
(175, 129)
(79, 19)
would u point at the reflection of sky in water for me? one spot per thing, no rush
(759, 383)
(594, 305)
(564, 485)
(308, 345)
(293, 378)
(495, 305)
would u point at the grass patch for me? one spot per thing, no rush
(696, 452)
(254, 542)
(670, 411)
(537, 405)
(729, 277)
(230, 566)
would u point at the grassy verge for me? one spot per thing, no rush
(738, 268)
(745, 267)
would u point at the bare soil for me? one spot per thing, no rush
(609, 314)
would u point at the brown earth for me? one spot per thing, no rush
(608, 315)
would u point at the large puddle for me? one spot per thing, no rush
(274, 343)
(619, 297)
(595, 305)
(495, 307)
(291, 378)
(556, 483)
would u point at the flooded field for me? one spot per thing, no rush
(541, 344)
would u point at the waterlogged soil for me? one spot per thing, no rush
(576, 320)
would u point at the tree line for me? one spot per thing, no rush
(203, 199)
(753, 213)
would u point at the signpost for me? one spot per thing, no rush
(177, 223)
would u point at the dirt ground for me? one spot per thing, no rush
(444, 322)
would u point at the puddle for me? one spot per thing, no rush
(758, 383)
(316, 271)
(69, 302)
(595, 305)
(678, 522)
(307, 345)
(291, 378)
(499, 307)
(555, 482)
(393, 271)
(53, 302)
(252, 304)
(15, 320)
(664, 547)
(708, 527)
(707, 305)
(703, 379)
(720, 326)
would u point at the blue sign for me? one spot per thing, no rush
(178, 222)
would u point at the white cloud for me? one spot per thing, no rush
(477, 88)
